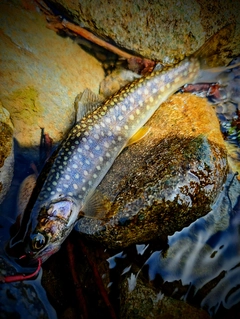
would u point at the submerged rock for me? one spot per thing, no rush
(41, 74)
(145, 303)
(165, 181)
(159, 30)
(6, 152)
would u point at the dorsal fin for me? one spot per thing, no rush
(85, 103)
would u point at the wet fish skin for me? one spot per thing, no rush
(88, 153)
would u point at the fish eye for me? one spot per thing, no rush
(38, 241)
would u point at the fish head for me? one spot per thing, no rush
(48, 226)
(51, 227)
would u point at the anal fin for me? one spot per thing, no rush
(141, 133)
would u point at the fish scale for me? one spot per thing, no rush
(90, 150)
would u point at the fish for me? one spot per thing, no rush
(84, 158)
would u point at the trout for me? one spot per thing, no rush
(89, 151)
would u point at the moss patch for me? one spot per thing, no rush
(24, 104)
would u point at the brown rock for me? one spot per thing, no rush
(41, 74)
(165, 181)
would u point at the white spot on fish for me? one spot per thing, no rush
(97, 148)
(59, 190)
(84, 188)
(67, 177)
(96, 136)
(86, 147)
(94, 175)
(76, 176)
(124, 108)
(108, 154)
(98, 167)
(75, 166)
(131, 117)
(75, 186)
(85, 173)
(65, 185)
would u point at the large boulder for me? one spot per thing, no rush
(41, 74)
(160, 30)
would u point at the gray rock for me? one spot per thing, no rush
(160, 30)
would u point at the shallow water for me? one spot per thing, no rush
(202, 263)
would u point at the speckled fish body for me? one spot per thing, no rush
(89, 151)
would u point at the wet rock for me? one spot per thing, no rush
(144, 303)
(171, 178)
(41, 74)
(6, 152)
(158, 30)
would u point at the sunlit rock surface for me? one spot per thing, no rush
(160, 30)
(41, 74)
(6, 152)
(165, 181)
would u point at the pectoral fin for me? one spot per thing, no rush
(96, 206)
